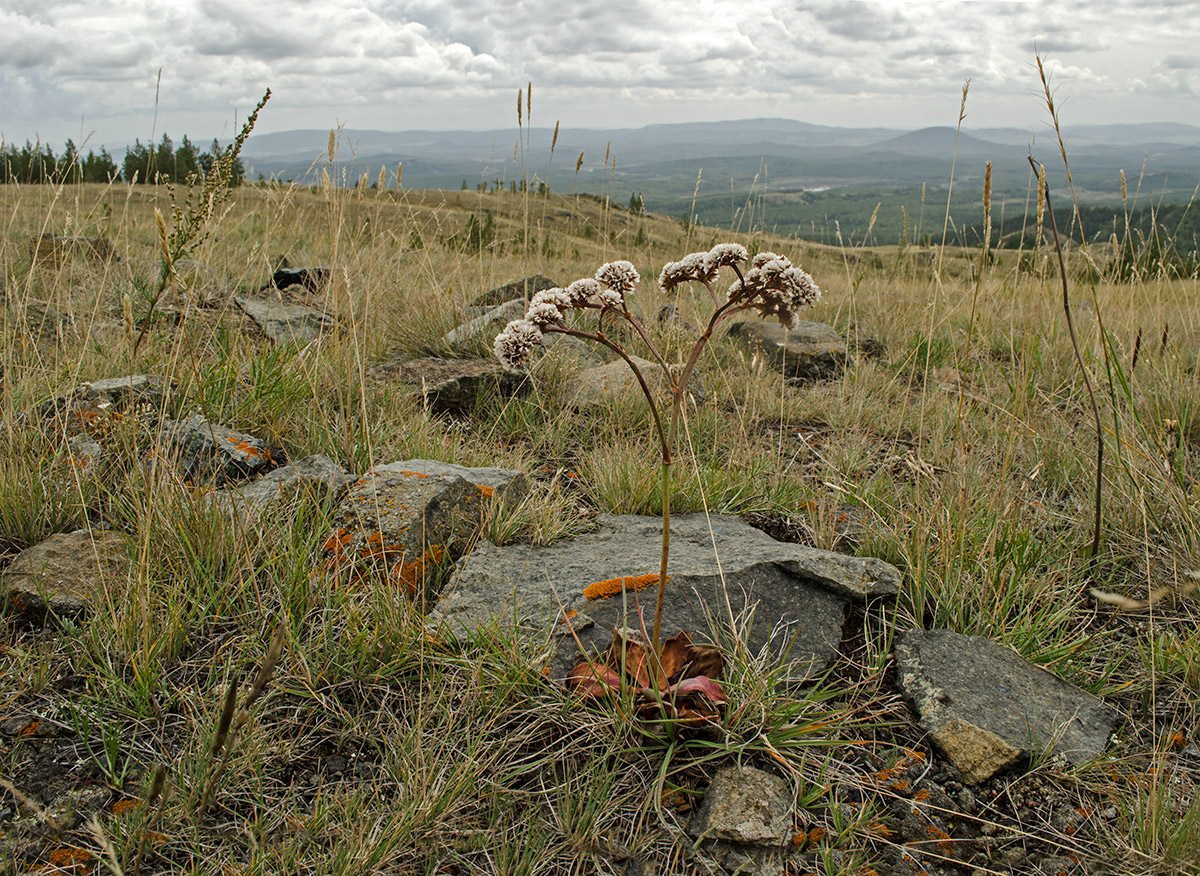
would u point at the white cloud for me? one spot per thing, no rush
(456, 63)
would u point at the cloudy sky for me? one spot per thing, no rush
(90, 69)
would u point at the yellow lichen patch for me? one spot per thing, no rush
(487, 492)
(413, 474)
(613, 586)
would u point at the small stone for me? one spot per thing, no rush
(603, 385)
(490, 322)
(453, 386)
(745, 805)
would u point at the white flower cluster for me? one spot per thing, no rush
(619, 277)
(775, 287)
(612, 283)
(516, 342)
(701, 266)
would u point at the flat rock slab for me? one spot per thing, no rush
(986, 708)
(396, 524)
(602, 385)
(65, 575)
(316, 475)
(809, 351)
(521, 289)
(585, 587)
(211, 455)
(286, 322)
(454, 385)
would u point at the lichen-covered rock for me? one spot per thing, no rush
(745, 805)
(501, 484)
(209, 454)
(65, 575)
(97, 406)
(317, 476)
(986, 708)
(396, 524)
(578, 591)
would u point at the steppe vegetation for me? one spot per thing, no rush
(960, 445)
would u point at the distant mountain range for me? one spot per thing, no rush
(776, 160)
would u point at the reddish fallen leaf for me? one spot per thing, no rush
(681, 686)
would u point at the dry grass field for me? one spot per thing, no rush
(960, 446)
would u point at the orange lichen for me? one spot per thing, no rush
(413, 474)
(375, 538)
(409, 575)
(123, 806)
(249, 449)
(613, 586)
(570, 613)
(70, 857)
(30, 728)
(337, 541)
(487, 492)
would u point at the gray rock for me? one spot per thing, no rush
(810, 351)
(396, 524)
(315, 475)
(602, 385)
(503, 484)
(490, 322)
(521, 289)
(986, 708)
(212, 455)
(135, 389)
(797, 595)
(64, 575)
(745, 805)
(454, 385)
(286, 322)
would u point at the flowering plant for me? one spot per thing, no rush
(772, 285)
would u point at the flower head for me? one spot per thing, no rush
(620, 277)
(776, 287)
(558, 297)
(516, 342)
(724, 254)
(581, 291)
(694, 266)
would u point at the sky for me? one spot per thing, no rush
(94, 70)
